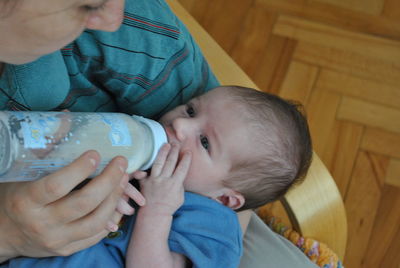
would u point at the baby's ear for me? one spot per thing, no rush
(231, 199)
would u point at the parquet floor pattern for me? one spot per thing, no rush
(341, 59)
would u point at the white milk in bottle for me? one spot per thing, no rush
(34, 144)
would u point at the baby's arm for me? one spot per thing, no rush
(164, 194)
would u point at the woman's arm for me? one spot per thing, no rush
(46, 218)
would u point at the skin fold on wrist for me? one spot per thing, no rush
(154, 212)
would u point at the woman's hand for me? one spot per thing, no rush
(163, 188)
(46, 218)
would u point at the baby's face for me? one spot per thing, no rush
(211, 128)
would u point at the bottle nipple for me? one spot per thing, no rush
(159, 138)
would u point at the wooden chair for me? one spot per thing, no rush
(315, 207)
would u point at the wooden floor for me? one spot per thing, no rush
(341, 59)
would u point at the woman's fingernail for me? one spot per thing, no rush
(122, 165)
(142, 201)
(112, 227)
(92, 161)
(92, 158)
(131, 211)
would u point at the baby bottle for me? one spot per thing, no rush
(34, 144)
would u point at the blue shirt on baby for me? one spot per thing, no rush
(203, 230)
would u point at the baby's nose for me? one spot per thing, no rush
(182, 128)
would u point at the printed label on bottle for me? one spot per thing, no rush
(36, 127)
(119, 134)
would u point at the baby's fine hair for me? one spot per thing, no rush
(282, 151)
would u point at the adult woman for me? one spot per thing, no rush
(126, 71)
(30, 225)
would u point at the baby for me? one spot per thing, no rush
(230, 149)
(237, 146)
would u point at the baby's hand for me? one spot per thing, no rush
(163, 188)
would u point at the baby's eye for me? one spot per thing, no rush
(190, 111)
(204, 142)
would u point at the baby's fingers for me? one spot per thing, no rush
(134, 194)
(139, 174)
(171, 161)
(183, 167)
(124, 208)
(159, 162)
